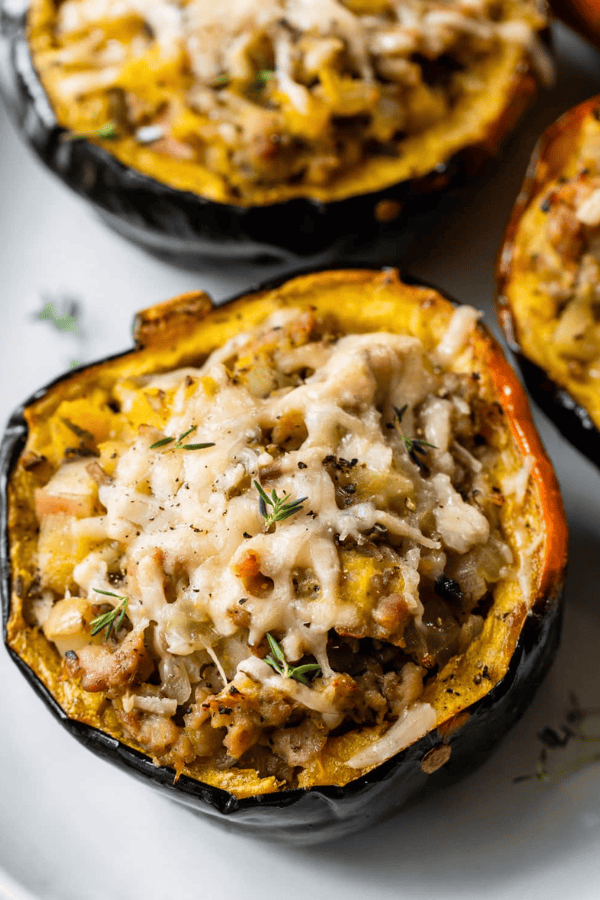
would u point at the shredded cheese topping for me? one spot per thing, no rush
(279, 92)
(377, 577)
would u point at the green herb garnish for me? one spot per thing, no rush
(65, 320)
(108, 620)
(178, 445)
(277, 661)
(415, 446)
(572, 730)
(106, 132)
(223, 79)
(281, 509)
(542, 774)
(263, 76)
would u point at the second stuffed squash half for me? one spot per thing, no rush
(549, 276)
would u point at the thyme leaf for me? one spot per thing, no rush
(178, 445)
(276, 659)
(415, 447)
(197, 446)
(276, 649)
(106, 132)
(113, 619)
(542, 774)
(281, 508)
(63, 320)
(263, 76)
(184, 435)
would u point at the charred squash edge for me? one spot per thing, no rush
(326, 812)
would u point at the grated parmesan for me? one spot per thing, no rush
(178, 530)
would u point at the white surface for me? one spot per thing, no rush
(74, 828)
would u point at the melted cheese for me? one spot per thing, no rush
(183, 523)
(241, 98)
(412, 724)
(201, 512)
(210, 30)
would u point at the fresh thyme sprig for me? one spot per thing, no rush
(415, 447)
(178, 445)
(276, 659)
(223, 79)
(111, 619)
(106, 132)
(571, 730)
(281, 509)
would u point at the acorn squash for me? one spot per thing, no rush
(548, 276)
(221, 152)
(420, 571)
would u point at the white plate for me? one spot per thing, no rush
(74, 828)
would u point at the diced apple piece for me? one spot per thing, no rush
(67, 626)
(71, 490)
(61, 546)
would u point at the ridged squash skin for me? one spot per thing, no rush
(575, 414)
(186, 228)
(518, 644)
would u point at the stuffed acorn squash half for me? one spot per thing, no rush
(549, 276)
(279, 127)
(292, 558)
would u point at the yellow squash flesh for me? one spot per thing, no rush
(528, 311)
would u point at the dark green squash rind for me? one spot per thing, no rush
(323, 812)
(182, 227)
